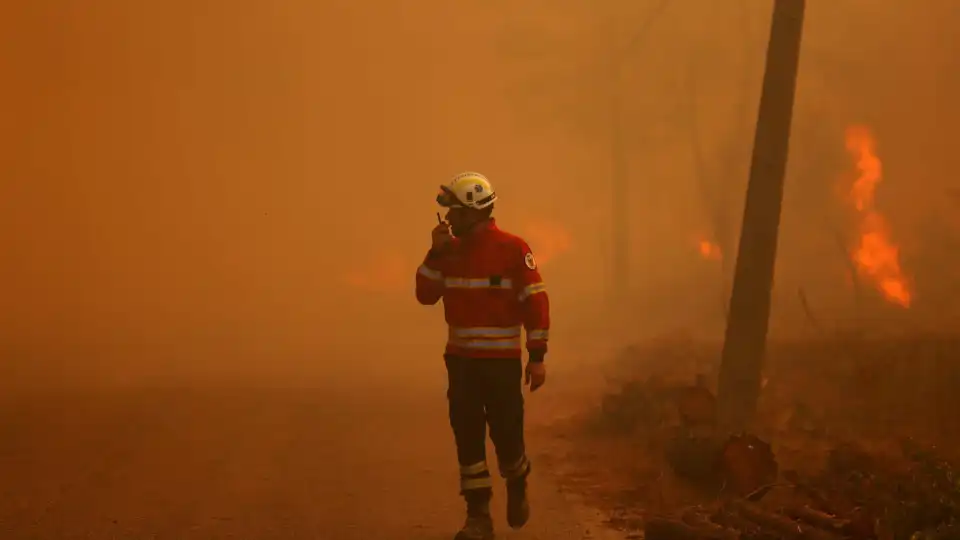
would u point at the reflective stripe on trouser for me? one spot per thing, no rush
(484, 338)
(515, 470)
(474, 477)
(482, 392)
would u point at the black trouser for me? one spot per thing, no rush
(481, 392)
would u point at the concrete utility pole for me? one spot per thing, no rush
(749, 316)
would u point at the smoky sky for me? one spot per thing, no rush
(232, 189)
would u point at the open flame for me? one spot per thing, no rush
(709, 250)
(548, 240)
(877, 258)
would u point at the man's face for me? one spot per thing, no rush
(461, 219)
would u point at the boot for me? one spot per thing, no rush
(518, 507)
(479, 524)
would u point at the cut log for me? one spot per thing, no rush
(782, 524)
(669, 529)
(817, 518)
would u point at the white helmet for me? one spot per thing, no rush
(467, 190)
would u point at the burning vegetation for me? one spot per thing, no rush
(855, 436)
(876, 257)
(709, 250)
(549, 239)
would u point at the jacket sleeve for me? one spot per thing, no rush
(430, 279)
(534, 303)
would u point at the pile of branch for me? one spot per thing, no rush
(655, 399)
(743, 519)
(858, 496)
(819, 396)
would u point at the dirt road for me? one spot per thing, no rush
(244, 464)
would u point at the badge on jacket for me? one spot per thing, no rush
(530, 261)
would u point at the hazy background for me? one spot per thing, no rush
(213, 190)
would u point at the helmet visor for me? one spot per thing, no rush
(447, 199)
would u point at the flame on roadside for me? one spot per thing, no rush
(709, 250)
(876, 256)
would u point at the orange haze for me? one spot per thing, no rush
(214, 191)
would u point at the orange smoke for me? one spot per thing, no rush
(876, 256)
(709, 250)
(548, 239)
(384, 273)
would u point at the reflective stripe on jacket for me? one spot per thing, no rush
(491, 290)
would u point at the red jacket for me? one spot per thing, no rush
(490, 287)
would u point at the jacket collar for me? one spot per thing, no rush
(481, 230)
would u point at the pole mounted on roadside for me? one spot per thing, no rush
(748, 319)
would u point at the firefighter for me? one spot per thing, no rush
(491, 288)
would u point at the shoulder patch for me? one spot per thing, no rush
(530, 261)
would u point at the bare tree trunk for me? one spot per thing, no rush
(619, 202)
(620, 287)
